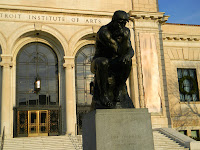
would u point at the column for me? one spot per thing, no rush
(70, 96)
(6, 107)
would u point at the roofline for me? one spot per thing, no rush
(182, 24)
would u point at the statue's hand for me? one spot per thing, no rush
(106, 101)
(126, 59)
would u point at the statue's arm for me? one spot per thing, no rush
(105, 38)
(130, 52)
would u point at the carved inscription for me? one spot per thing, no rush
(46, 18)
(11, 16)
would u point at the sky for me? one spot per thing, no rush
(181, 11)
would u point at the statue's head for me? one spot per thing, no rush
(119, 19)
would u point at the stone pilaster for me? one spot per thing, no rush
(6, 110)
(70, 96)
(150, 65)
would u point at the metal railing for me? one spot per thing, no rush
(2, 138)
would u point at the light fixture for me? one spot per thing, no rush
(37, 83)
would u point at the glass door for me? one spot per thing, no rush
(38, 123)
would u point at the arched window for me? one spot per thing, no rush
(84, 78)
(83, 75)
(37, 76)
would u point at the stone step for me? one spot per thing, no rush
(161, 142)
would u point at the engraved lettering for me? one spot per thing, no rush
(19, 16)
(54, 18)
(59, 18)
(6, 15)
(11, 15)
(50, 18)
(75, 19)
(34, 17)
(87, 21)
(42, 17)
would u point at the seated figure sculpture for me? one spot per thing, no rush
(112, 63)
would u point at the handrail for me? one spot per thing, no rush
(2, 138)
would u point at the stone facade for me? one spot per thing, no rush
(67, 26)
(181, 50)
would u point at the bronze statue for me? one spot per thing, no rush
(112, 63)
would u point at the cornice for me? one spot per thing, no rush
(159, 16)
(180, 37)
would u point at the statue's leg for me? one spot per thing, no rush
(121, 73)
(100, 67)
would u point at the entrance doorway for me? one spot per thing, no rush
(37, 111)
(38, 123)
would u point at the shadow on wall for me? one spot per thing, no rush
(0, 87)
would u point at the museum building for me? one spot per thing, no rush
(46, 49)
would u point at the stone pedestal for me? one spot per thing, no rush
(117, 129)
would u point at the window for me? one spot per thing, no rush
(83, 75)
(183, 132)
(194, 133)
(37, 61)
(84, 78)
(188, 86)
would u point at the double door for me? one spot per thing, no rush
(38, 123)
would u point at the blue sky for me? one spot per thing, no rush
(181, 11)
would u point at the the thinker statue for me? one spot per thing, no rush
(112, 63)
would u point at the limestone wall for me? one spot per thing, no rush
(145, 5)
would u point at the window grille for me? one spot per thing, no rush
(188, 85)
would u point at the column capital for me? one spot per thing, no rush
(68, 66)
(6, 60)
(69, 62)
